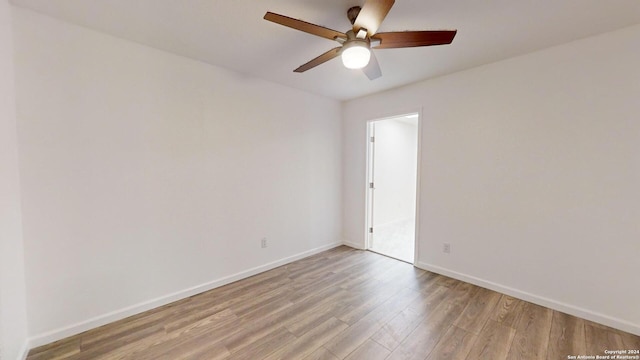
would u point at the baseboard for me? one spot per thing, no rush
(539, 300)
(352, 245)
(97, 321)
(21, 354)
(25, 351)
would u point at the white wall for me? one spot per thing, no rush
(145, 174)
(530, 168)
(13, 318)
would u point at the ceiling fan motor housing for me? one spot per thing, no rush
(353, 40)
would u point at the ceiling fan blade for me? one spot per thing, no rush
(319, 60)
(403, 39)
(372, 70)
(309, 28)
(371, 15)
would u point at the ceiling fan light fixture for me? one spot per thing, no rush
(357, 42)
(355, 55)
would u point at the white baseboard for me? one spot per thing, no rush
(25, 351)
(539, 300)
(97, 321)
(353, 245)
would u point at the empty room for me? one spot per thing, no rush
(313, 179)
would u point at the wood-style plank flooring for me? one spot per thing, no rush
(344, 304)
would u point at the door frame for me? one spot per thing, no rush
(370, 152)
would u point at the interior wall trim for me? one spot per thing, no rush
(25, 351)
(600, 318)
(353, 245)
(61, 333)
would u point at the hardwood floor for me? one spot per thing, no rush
(344, 304)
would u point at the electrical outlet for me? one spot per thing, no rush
(263, 242)
(446, 248)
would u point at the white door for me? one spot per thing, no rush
(393, 157)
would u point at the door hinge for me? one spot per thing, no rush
(370, 185)
(370, 230)
(372, 139)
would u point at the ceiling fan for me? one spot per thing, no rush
(356, 44)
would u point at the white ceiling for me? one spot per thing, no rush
(232, 33)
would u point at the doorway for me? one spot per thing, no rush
(392, 186)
